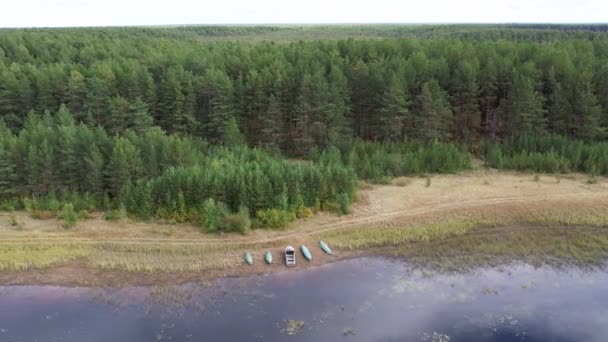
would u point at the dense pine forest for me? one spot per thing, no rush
(196, 122)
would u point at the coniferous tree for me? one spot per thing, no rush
(8, 167)
(467, 118)
(523, 109)
(67, 167)
(395, 120)
(586, 115)
(40, 168)
(100, 88)
(94, 171)
(306, 111)
(140, 119)
(433, 113)
(221, 106)
(232, 135)
(76, 92)
(128, 115)
(601, 91)
(335, 111)
(119, 115)
(272, 124)
(124, 165)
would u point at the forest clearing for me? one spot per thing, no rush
(408, 210)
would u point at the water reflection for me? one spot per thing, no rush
(369, 299)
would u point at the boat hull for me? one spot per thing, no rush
(324, 247)
(306, 252)
(248, 258)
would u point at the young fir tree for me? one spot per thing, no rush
(232, 135)
(94, 171)
(40, 168)
(124, 165)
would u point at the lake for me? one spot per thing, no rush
(365, 299)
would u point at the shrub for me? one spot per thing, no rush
(344, 202)
(13, 220)
(115, 214)
(239, 223)
(212, 214)
(274, 218)
(304, 213)
(84, 215)
(42, 214)
(68, 215)
(30, 204)
(10, 205)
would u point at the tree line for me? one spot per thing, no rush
(57, 165)
(154, 122)
(548, 153)
(296, 96)
(149, 174)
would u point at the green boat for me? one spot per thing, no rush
(268, 257)
(324, 247)
(306, 252)
(248, 258)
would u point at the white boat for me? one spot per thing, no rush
(290, 256)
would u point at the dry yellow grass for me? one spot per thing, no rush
(384, 215)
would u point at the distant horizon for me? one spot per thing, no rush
(112, 13)
(312, 24)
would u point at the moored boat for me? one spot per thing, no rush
(306, 252)
(324, 247)
(268, 257)
(290, 256)
(248, 258)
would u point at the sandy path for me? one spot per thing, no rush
(379, 206)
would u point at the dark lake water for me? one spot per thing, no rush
(368, 299)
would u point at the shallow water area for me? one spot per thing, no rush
(365, 299)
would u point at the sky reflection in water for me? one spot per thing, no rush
(368, 299)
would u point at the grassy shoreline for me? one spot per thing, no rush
(460, 220)
(456, 244)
